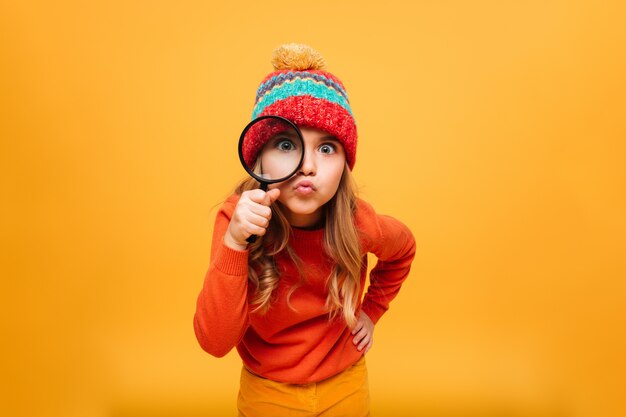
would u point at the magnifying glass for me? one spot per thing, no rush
(271, 150)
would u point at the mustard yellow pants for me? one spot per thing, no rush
(345, 395)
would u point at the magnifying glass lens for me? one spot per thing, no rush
(280, 156)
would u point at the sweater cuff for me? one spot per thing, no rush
(231, 261)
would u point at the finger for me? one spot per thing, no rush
(369, 345)
(259, 210)
(250, 228)
(249, 224)
(258, 196)
(262, 209)
(247, 204)
(253, 213)
(255, 220)
(360, 335)
(364, 342)
(258, 220)
(273, 194)
(357, 327)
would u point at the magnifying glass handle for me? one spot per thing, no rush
(252, 238)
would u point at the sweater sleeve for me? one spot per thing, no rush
(394, 246)
(221, 317)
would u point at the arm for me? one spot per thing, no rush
(394, 246)
(221, 316)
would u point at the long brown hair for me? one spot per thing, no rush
(341, 244)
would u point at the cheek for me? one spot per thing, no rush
(281, 186)
(332, 180)
(335, 173)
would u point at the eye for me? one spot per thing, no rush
(285, 145)
(327, 148)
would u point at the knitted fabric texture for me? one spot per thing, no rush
(308, 96)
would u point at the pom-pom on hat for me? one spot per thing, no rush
(301, 90)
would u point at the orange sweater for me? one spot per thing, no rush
(298, 346)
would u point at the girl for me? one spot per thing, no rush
(292, 302)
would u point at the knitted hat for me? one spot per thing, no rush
(302, 91)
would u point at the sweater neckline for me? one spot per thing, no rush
(298, 232)
(306, 240)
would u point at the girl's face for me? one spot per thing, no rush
(304, 194)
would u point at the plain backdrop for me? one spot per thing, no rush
(494, 129)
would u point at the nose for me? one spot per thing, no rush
(308, 163)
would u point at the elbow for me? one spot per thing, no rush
(209, 343)
(216, 351)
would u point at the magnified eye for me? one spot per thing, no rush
(285, 145)
(327, 149)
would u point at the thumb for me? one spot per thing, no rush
(273, 194)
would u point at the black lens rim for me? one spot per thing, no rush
(243, 161)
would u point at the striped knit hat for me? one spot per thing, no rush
(301, 90)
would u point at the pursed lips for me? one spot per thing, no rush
(304, 187)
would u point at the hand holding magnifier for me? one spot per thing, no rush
(271, 150)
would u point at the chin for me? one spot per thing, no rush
(301, 208)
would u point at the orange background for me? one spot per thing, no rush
(494, 130)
